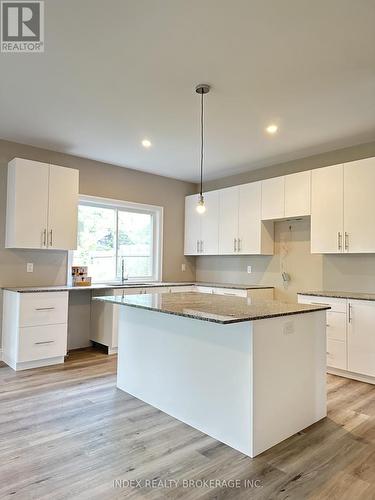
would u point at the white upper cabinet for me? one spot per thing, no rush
(327, 212)
(27, 201)
(254, 236)
(42, 203)
(286, 196)
(240, 228)
(228, 225)
(359, 206)
(342, 208)
(202, 230)
(210, 224)
(192, 226)
(297, 194)
(273, 196)
(62, 208)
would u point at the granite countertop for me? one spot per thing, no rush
(209, 307)
(340, 295)
(63, 288)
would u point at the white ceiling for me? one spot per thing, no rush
(115, 72)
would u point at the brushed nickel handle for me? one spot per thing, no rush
(339, 240)
(197, 246)
(45, 237)
(346, 241)
(239, 245)
(50, 238)
(44, 308)
(319, 304)
(45, 342)
(235, 245)
(350, 313)
(202, 246)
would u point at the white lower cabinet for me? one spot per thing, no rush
(350, 336)
(35, 328)
(361, 337)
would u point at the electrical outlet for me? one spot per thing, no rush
(249, 271)
(183, 267)
(30, 267)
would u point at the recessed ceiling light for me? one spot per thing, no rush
(272, 129)
(146, 143)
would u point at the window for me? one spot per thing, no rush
(112, 235)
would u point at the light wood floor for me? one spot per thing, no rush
(66, 432)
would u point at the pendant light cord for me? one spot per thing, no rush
(202, 142)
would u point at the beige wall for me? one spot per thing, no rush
(96, 179)
(316, 161)
(292, 244)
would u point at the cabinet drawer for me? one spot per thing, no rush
(41, 342)
(186, 288)
(230, 291)
(336, 354)
(45, 308)
(336, 326)
(337, 305)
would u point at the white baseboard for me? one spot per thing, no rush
(352, 375)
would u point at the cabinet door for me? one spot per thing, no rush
(249, 223)
(327, 214)
(27, 204)
(192, 225)
(273, 198)
(210, 224)
(361, 337)
(297, 194)
(63, 208)
(228, 220)
(359, 206)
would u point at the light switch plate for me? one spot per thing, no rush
(30, 267)
(183, 267)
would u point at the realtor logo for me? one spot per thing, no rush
(22, 26)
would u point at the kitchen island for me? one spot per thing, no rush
(248, 373)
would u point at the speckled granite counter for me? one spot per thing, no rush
(340, 295)
(63, 288)
(214, 308)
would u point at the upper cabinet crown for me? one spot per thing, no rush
(42, 204)
(286, 196)
(343, 205)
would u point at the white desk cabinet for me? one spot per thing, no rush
(42, 204)
(35, 327)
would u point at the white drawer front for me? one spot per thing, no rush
(41, 342)
(336, 354)
(46, 308)
(337, 305)
(230, 291)
(336, 326)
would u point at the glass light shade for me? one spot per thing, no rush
(201, 208)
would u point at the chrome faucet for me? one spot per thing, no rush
(123, 270)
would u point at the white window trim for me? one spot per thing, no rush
(158, 213)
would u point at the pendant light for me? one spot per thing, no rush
(202, 89)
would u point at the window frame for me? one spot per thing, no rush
(157, 212)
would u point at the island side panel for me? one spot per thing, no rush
(289, 373)
(196, 371)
